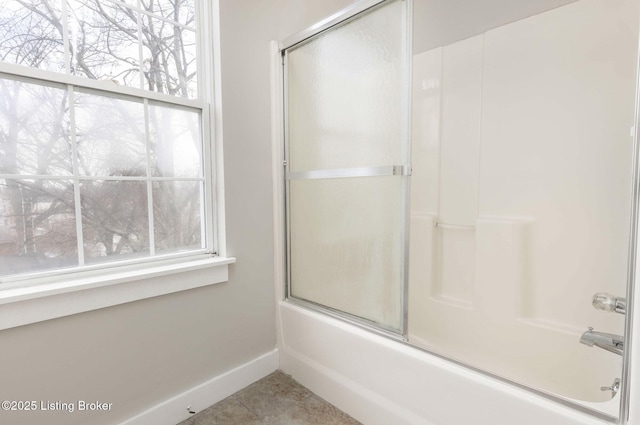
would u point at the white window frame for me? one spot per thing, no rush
(48, 295)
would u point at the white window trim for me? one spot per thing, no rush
(31, 304)
(37, 300)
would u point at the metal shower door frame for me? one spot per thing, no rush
(340, 18)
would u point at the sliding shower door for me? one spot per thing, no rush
(347, 165)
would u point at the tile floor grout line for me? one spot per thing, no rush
(260, 418)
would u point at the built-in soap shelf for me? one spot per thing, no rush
(452, 226)
(480, 266)
(454, 254)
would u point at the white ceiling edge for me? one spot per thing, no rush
(441, 22)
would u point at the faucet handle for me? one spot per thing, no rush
(608, 302)
(614, 388)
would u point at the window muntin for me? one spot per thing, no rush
(175, 147)
(177, 215)
(114, 219)
(37, 225)
(33, 36)
(95, 173)
(146, 44)
(129, 183)
(110, 135)
(35, 128)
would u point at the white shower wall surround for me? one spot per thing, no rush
(520, 197)
(521, 192)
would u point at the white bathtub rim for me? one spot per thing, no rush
(609, 407)
(580, 412)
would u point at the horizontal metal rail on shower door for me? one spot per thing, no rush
(337, 173)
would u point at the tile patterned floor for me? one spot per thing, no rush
(274, 400)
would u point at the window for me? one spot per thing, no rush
(103, 134)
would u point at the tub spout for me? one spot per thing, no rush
(606, 341)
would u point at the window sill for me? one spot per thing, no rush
(31, 304)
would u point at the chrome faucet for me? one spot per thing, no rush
(606, 341)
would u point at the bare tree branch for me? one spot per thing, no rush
(103, 41)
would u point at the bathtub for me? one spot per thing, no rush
(380, 381)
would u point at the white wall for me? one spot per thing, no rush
(134, 355)
(442, 22)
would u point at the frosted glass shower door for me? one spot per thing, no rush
(347, 165)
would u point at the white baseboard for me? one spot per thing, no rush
(173, 410)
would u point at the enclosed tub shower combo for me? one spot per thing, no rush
(456, 210)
